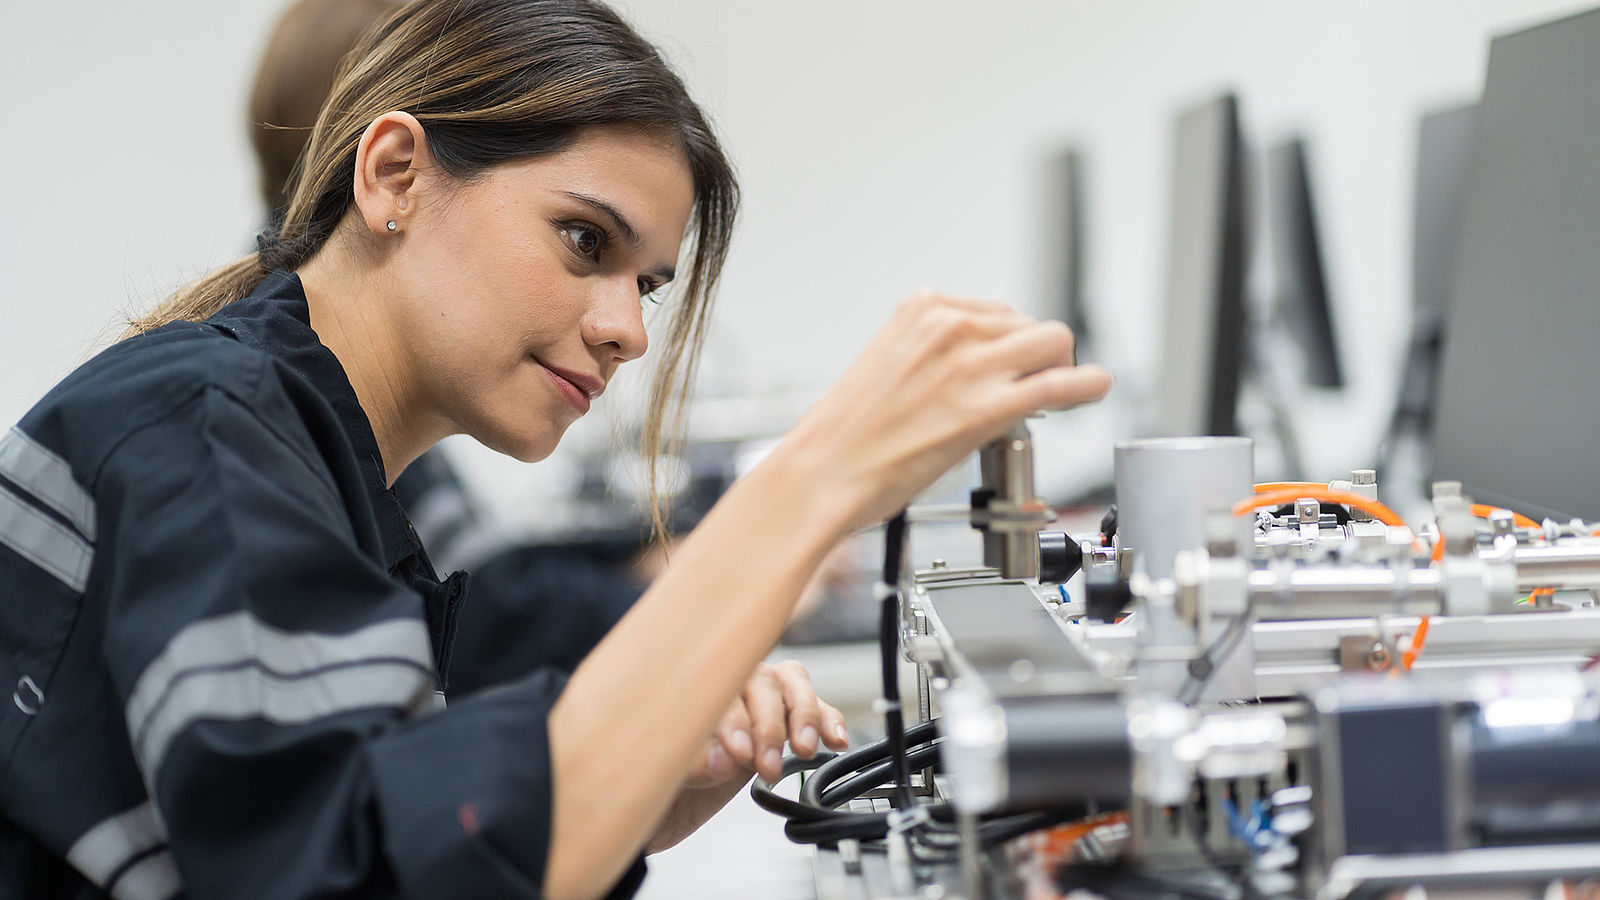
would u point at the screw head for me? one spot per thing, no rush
(1378, 656)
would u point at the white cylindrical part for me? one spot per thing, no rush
(1166, 487)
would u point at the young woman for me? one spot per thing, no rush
(224, 638)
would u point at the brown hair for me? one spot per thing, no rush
(294, 77)
(492, 81)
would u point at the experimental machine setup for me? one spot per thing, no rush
(1239, 690)
(1234, 690)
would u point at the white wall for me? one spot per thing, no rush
(883, 146)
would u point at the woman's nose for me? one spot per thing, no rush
(617, 320)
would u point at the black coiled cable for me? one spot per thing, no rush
(837, 779)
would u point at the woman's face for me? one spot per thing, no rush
(523, 290)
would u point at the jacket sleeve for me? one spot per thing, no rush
(278, 686)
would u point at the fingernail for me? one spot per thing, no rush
(740, 744)
(717, 758)
(771, 760)
(808, 738)
(841, 733)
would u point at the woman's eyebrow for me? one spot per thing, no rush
(665, 273)
(617, 218)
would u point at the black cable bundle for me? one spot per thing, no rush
(889, 651)
(816, 817)
(837, 779)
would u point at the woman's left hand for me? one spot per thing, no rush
(778, 704)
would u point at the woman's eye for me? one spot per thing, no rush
(585, 239)
(647, 290)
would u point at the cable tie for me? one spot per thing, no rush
(881, 706)
(902, 820)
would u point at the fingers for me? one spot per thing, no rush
(1001, 339)
(928, 297)
(1031, 348)
(719, 767)
(764, 702)
(1060, 388)
(804, 709)
(943, 328)
(812, 723)
(834, 733)
(733, 733)
(1037, 357)
(779, 703)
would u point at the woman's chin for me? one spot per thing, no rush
(526, 448)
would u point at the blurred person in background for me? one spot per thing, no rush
(225, 636)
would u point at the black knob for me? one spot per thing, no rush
(1108, 526)
(1108, 594)
(1060, 557)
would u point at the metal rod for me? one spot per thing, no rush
(971, 860)
(1566, 567)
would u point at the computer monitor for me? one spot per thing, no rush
(1444, 146)
(1064, 199)
(1203, 329)
(1300, 295)
(1518, 421)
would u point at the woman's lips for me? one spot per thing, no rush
(575, 395)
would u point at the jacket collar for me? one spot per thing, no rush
(276, 319)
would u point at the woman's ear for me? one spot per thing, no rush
(389, 161)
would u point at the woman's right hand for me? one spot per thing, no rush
(944, 376)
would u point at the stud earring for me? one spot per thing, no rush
(392, 225)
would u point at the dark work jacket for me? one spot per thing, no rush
(225, 642)
(533, 605)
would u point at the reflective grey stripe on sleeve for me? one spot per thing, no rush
(108, 847)
(44, 542)
(153, 878)
(47, 477)
(238, 667)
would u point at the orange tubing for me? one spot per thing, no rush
(1418, 639)
(1060, 840)
(1321, 494)
(1537, 593)
(1484, 511)
(1266, 486)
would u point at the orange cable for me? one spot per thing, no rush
(1539, 592)
(1418, 639)
(1484, 511)
(1266, 486)
(1321, 494)
(1061, 839)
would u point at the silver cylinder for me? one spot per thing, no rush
(1334, 593)
(1166, 487)
(1012, 515)
(1558, 566)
